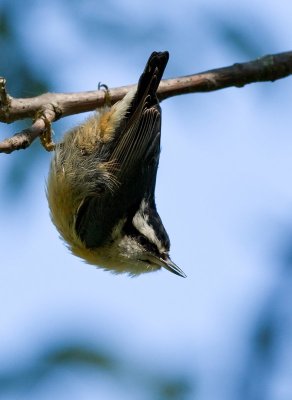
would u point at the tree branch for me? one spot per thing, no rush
(49, 107)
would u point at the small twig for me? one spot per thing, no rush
(268, 68)
(22, 139)
(40, 128)
(4, 98)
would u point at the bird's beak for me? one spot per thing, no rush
(172, 267)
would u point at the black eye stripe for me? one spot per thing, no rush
(154, 221)
(146, 243)
(130, 230)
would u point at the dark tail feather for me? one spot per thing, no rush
(150, 78)
(155, 66)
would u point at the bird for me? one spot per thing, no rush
(102, 178)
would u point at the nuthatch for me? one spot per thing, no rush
(102, 179)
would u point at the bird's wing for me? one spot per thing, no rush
(133, 160)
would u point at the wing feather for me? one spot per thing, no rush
(133, 161)
(130, 154)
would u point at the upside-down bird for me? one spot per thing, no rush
(101, 184)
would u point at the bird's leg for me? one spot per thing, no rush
(107, 96)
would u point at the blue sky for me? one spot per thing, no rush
(224, 193)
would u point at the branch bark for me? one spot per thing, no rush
(49, 107)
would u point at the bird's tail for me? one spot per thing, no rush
(150, 79)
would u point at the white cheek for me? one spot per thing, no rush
(129, 248)
(140, 221)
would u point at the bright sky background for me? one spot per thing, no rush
(224, 193)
